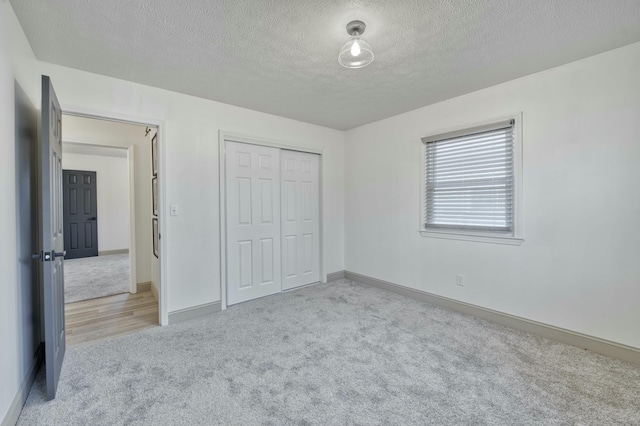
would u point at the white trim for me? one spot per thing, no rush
(133, 282)
(193, 312)
(323, 173)
(239, 137)
(163, 246)
(222, 192)
(110, 115)
(477, 237)
(333, 276)
(145, 286)
(110, 252)
(223, 137)
(154, 289)
(20, 398)
(563, 335)
(163, 311)
(480, 236)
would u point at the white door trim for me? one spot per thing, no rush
(164, 247)
(223, 137)
(133, 282)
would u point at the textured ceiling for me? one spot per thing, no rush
(280, 56)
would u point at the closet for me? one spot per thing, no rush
(272, 220)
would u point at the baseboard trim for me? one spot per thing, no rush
(573, 338)
(145, 286)
(338, 275)
(194, 312)
(154, 289)
(108, 252)
(11, 418)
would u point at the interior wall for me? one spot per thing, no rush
(112, 178)
(190, 137)
(27, 229)
(9, 293)
(81, 130)
(18, 333)
(578, 266)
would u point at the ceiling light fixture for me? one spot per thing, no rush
(356, 53)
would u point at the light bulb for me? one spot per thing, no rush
(355, 48)
(356, 52)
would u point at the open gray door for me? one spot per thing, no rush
(52, 240)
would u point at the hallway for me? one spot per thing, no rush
(107, 317)
(97, 276)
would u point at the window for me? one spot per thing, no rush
(470, 181)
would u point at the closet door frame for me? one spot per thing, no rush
(223, 138)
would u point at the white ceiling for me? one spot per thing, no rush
(280, 57)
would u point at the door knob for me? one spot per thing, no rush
(92, 218)
(47, 256)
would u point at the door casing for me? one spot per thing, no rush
(81, 111)
(223, 138)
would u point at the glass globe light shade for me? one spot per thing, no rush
(356, 53)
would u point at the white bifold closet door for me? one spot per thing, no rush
(300, 192)
(253, 221)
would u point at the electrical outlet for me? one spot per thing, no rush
(460, 280)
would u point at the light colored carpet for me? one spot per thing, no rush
(337, 353)
(97, 276)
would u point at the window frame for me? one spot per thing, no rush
(497, 237)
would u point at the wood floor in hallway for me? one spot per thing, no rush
(107, 317)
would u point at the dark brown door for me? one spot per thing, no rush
(80, 214)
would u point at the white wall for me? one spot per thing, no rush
(578, 267)
(9, 328)
(112, 178)
(191, 127)
(15, 57)
(81, 130)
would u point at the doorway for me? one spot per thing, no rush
(112, 277)
(80, 212)
(96, 216)
(271, 218)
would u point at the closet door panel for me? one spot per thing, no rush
(253, 221)
(300, 177)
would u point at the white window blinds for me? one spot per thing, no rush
(470, 179)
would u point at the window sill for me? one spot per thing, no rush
(480, 238)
